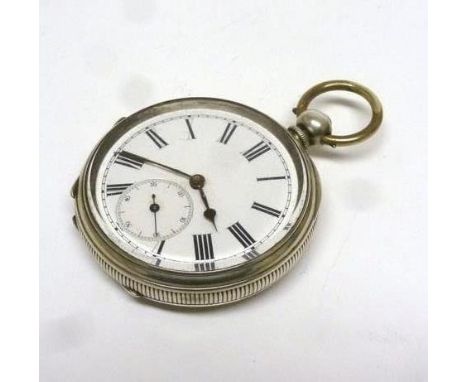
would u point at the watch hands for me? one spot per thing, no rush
(197, 182)
(154, 208)
(150, 162)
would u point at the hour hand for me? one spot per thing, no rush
(197, 182)
(209, 213)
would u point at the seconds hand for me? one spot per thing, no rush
(154, 208)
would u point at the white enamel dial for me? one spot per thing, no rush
(244, 205)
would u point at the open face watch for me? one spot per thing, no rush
(201, 202)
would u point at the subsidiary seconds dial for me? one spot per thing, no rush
(154, 209)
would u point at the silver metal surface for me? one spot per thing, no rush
(311, 126)
(349, 86)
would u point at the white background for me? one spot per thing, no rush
(354, 309)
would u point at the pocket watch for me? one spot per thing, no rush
(200, 202)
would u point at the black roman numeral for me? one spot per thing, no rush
(203, 246)
(266, 209)
(189, 125)
(270, 178)
(228, 131)
(255, 151)
(130, 160)
(116, 189)
(241, 234)
(158, 141)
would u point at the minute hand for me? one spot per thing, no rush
(150, 162)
